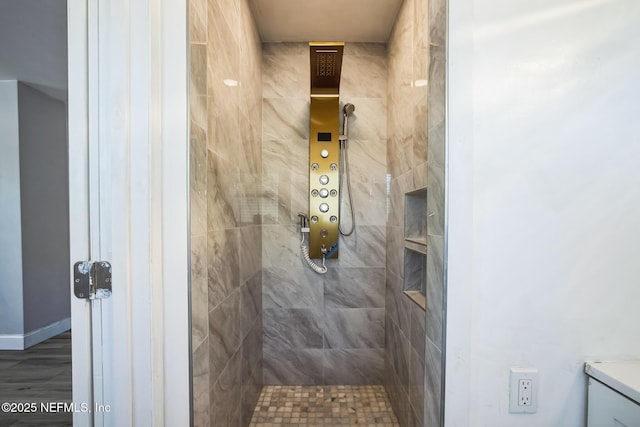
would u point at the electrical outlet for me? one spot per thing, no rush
(523, 390)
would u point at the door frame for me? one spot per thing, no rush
(122, 81)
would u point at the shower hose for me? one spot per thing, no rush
(344, 171)
(304, 250)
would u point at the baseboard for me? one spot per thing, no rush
(11, 342)
(22, 341)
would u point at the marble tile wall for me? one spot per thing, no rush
(225, 88)
(323, 329)
(415, 153)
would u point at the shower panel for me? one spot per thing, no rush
(328, 157)
(324, 149)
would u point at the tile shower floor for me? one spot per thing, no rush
(323, 406)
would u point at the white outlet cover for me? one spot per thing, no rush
(515, 375)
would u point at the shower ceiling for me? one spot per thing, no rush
(325, 20)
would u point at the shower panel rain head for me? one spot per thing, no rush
(326, 65)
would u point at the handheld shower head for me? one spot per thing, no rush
(349, 109)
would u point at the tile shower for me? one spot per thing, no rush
(260, 316)
(323, 329)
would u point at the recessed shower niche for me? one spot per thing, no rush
(415, 216)
(415, 246)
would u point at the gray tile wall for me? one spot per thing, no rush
(323, 329)
(226, 168)
(415, 153)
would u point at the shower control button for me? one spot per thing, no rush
(324, 233)
(314, 166)
(314, 193)
(323, 192)
(324, 153)
(323, 207)
(314, 219)
(324, 179)
(333, 218)
(333, 193)
(334, 166)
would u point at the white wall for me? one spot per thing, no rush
(544, 202)
(34, 217)
(34, 44)
(45, 208)
(11, 319)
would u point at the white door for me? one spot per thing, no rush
(82, 230)
(89, 219)
(128, 180)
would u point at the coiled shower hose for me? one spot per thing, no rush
(304, 250)
(315, 267)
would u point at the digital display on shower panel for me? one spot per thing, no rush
(324, 136)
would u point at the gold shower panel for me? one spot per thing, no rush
(324, 148)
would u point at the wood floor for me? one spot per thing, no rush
(38, 374)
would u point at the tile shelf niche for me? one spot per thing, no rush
(415, 246)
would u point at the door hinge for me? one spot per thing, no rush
(92, 279)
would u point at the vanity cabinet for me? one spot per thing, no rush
(614, 394)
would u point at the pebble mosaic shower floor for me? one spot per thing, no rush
(323, 406)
